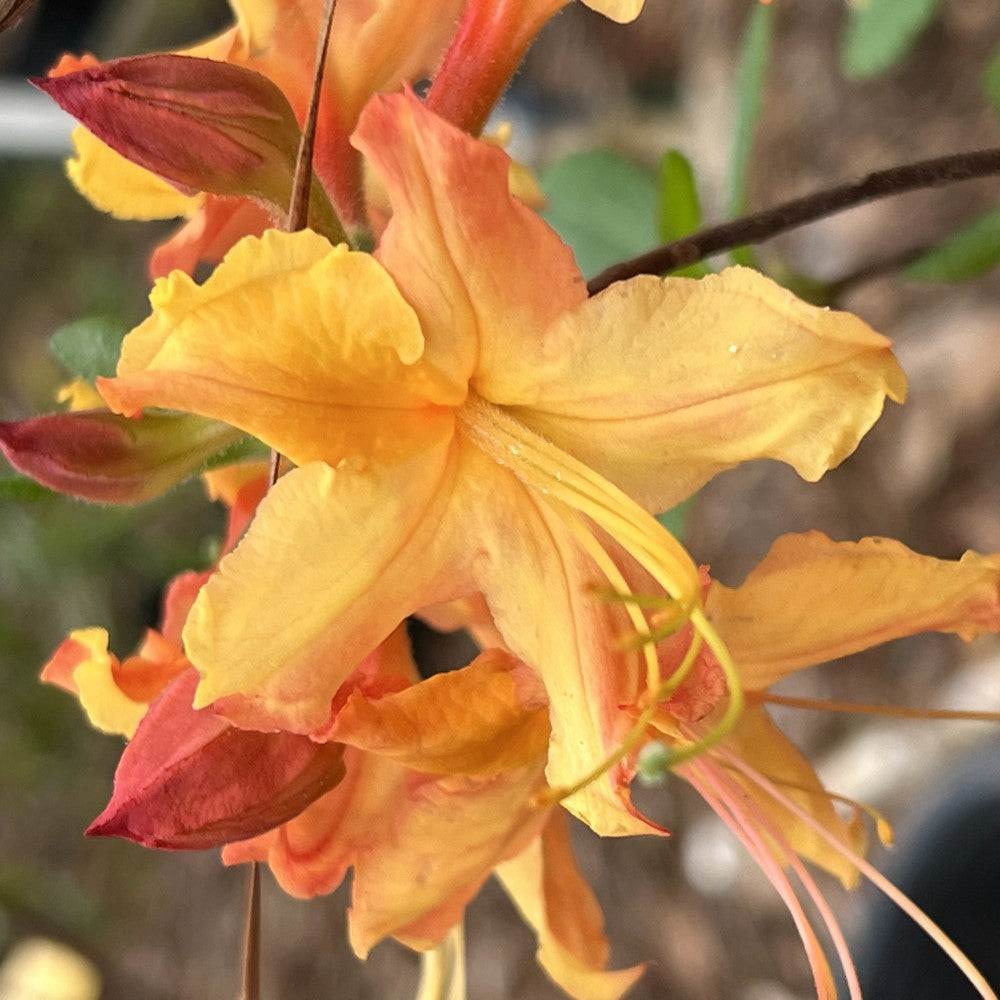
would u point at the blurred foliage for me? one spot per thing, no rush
(880, 32)
(968, 253)
(679, 206)
(89, 347)
(991, 80)
(603, 206)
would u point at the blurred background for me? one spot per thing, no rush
(162, 926)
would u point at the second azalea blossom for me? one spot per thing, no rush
(464, 420)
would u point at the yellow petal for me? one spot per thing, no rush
(621, 11)
(79, 394)
(484, 719)
(333, 561)
(84, 666)
(116, 185)
(762, 745)
(308, 347)
(559, 906)
(812, 599)
(660, 384)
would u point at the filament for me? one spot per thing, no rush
(933, 931)
(867, 708)
(572, 489)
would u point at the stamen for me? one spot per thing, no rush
(866, 708)
(733, 809)
(570, 485)
(933, 931)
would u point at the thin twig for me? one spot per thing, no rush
(769, 223)
(298, 205)
(250, 989)
(298, 209)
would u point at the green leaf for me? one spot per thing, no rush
(755, 58)
(675, 519)
(680, 208)
(89, 347)
(880, 32)
(16, 487)
(603, 206)
(991, 80)
(971, 251)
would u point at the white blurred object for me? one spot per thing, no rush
(711, 856)
(32, 124)
(40, 969)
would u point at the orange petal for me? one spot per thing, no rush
(209, 234)
(660, 384)
(421, 845)
(482, 271)
(527, 559)
(484, 719)
(439, 846)
(548, 889)
(812, 599)
(83, 666)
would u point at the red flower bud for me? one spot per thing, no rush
(190, 780)
(100, 456)
(201, 124)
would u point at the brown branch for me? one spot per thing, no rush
(769, 223)
(250, 987)
(298, 209)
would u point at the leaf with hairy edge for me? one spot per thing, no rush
(968, 253)
(190, 780)
(201, 124)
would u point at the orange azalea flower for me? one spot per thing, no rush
(465, 420)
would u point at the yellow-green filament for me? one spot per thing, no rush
(571, 486)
